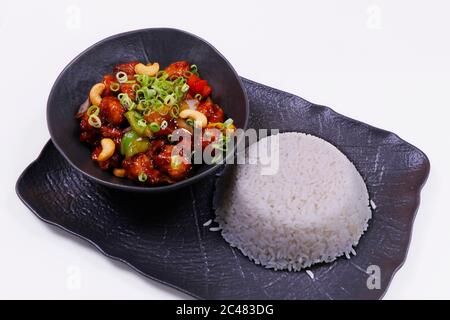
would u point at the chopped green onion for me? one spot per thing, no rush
(94, 121)
(144, 80)
(121, 77)
(147, 111)
(164, 124)
(169, 137)
(162, 75)
(135, 87)
(198, 96)
(190, 122)
(154, 127)
(184, 87)
(93, 110)
(114, 86)
(194, 68)
(142, 177)
(170, 100)
(174, 111)
(142, 122)
(187, 74)
(228, 123)
(126, 101)
(140, 107)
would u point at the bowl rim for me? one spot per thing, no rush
(137, 188)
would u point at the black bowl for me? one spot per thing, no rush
(160, 44)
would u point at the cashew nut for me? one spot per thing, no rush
(95, 95)
(119, 172)
(198, 117)
(108, 147)
(149, 69)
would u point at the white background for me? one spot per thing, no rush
(383, 62)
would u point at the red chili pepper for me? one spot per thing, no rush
(198, 86)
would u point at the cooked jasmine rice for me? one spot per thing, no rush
(314, 209)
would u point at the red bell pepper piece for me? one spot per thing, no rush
(198, 86)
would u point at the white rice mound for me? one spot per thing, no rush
(314, 209)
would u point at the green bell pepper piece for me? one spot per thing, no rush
(133, 118)
(132, 144)
(137, 146)
(126, 140)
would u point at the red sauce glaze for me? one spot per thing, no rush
(112, 111)
(159, 119)
(142, 163)
(128, 89)
(177, 68)
(111, 163)
(212, 111)
(165, 160)
(128, 68)
(107, 81)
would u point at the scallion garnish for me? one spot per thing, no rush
(198, 96)
(174, 111)
(228, 123)
(142, 177)
(164, 124)
(185, 87)
(154, 127)
(142, 122)
(126, 101)
(169, 100)
(114, 86)
(93, 110)
(121, 77)
(94, 121)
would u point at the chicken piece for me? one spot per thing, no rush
(88, 133)
(155, 147)
(113, 133)
(142, 164)
(159, 119)
(107, 80)
(128, 89)
(177, 69)
(212, 111)
(128, 68)
(112, 111)
(175, 165)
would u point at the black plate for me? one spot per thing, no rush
(162, 235)
(163, 45)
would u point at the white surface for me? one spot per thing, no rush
(382, 62)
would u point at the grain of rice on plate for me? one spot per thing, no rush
(314, 209)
